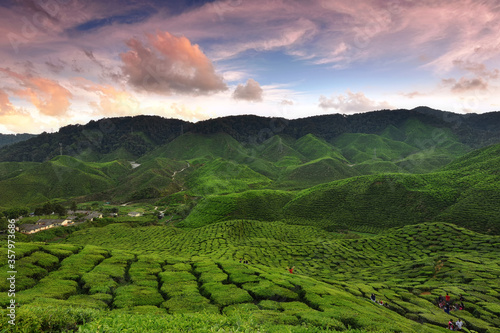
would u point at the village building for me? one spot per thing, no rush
(92, 216)
(134, 214)
(42, 224)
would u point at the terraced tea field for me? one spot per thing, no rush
(313, 250)
(175, 280)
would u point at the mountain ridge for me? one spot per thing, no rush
(141, 134)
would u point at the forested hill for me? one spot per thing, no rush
(8, 139)
(132, 137)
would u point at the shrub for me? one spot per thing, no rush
(224, 295)
(131, 295)
(239, 308)
(49, 318)
(185, 304)
(268, 290)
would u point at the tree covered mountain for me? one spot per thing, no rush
(402, 204)
(133, 137)
(8, 139)
(375, 170)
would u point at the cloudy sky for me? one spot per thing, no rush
(70, 61)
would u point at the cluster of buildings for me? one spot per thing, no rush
(44, 224)
(74, 217)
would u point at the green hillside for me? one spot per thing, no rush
(219, 164)
(144, 278)
(464, 195)
(278, 150)
(13, 169)
(415, 147)
(315, 172)
(62, 177)
(221, 176)
(151, 179)
(395, 204)
(358, 147)
(262, 205)
(393, 133)
(377, 201)
(190, 146)
(371, 167)
(484, 159)
(314, 148)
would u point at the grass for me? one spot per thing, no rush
(271, 298)
(334, 277)
(263, 205)
(239, 215)
(358, 147)
(463, 196)
(221, 165)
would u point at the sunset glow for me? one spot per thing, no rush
(71, 61)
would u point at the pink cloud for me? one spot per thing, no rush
(351, 103)
(412, 94)
(477, 69)
(180, 111)
(6, 106)
(251, 91)
(112, 101)
(47, 95)
(168, 64)
(15, 119)
(464, 84)
(479, 77)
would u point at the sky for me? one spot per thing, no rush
(71, 61)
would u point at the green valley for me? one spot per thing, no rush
(248, 224)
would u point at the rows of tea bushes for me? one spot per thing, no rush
(167, 286)
(312, 250)
(238, 268)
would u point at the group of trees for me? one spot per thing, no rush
(48, 208)
(140, 134)
(137, 135)
(7, 139)
(14, 213)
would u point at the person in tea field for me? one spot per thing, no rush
(447, 298)
(447, 308)
(290, 269)
(372, 297)
(451, 325)
(459, 323)
(440, 299)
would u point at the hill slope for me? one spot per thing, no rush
(8, 139)
(167, 271)
(136, 136)
(466, 192)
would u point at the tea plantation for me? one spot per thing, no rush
(284, 232)
(232, 276)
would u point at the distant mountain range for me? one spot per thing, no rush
(367, 171)
(8, 139)
(133, 137)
